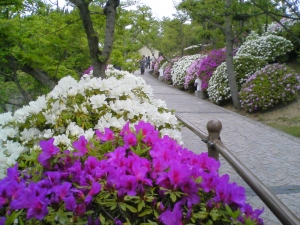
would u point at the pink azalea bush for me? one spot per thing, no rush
(192, 72)
(209, 65)
(132, 176)
(168, 70)
(157, 64)
(269, 86)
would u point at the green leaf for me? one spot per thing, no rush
(215, 214)
(200, 215)
(236, 214)
(102, 219)
(155, 214)
(10, 220)
(141, 205)
(122, 206)
(228, 210)
(113, 207)
(198, 180)
(21, 221)
(146, 212)
(128, 221)
(173, 197)
(131, 208)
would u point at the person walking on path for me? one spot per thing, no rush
(148, 62)
(142, 65)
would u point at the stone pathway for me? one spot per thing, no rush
(273, 156)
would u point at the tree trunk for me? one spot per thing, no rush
(99, 58)
(39, 76)
(110, 12)
(23, 92)
(92, 36)
(229, 57)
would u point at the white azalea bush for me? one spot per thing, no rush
(180, 67)
(276, 28)
(74, 108)
(270, 47)
(244, 66)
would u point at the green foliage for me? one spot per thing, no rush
(244, 67)
(290, 129)
(293, 36)
(268, 87)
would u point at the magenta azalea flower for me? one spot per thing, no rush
(130, 139)
(172, 218)
(107, 135)
(2, 220)
(122, 174)
(95, 189)
(38, 208)
(70, 203)
(48, 150)
(81, 146)
(127, 184)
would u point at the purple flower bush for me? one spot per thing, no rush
(88, 71)
(209, 65)
(168, 70)
(157, 64)
(128, 177)
(192, 72)
(269, 86)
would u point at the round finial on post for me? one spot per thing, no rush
(214, 128)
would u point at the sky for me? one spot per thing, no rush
(160, 8)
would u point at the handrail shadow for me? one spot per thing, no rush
(216, 147)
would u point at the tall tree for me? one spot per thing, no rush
(99, 57)
(220, 16)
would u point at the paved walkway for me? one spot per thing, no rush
(273, 156)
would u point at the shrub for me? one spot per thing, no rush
(164, 65)
(74, 108)
(271, 47)
(268, 87)
(179, 69)
(244, 66)
(209, 64)
(134, 176)
(168, 70)
(157, 64)
(276, 28)
(192, 72)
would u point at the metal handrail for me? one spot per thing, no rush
(215, 146)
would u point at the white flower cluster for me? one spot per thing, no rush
(164, 65)
(244, 66)
(191, 47)
(275, 27)
(179, 69)
(269, 47)
(74, 108)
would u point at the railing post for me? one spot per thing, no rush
(214, 128)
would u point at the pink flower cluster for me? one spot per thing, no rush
(168, 69)
(209, 65)
(157, 63)
(139, 163)
(192, 72)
